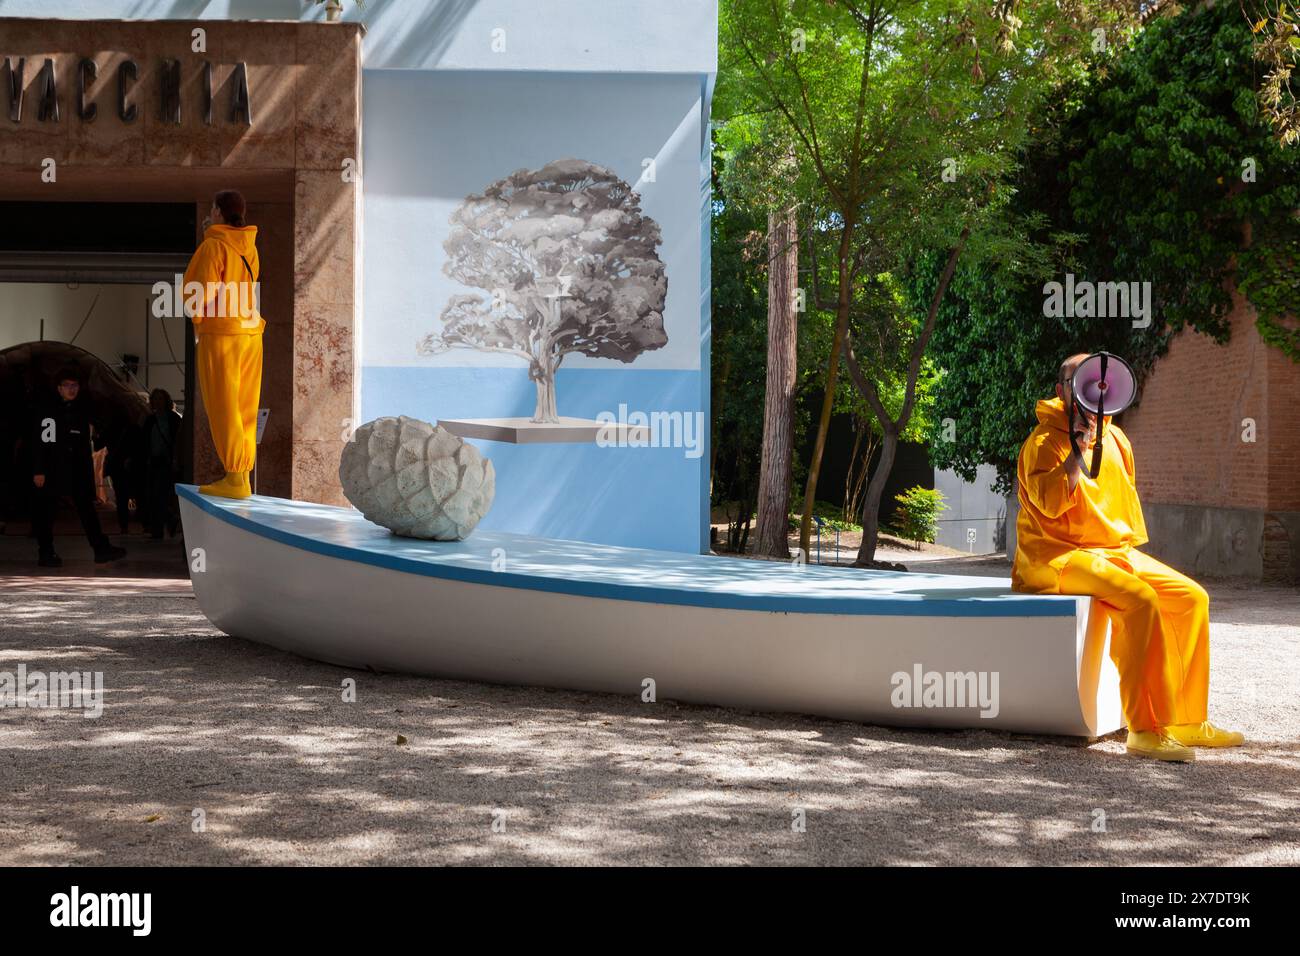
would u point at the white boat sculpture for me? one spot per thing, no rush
(907, 649)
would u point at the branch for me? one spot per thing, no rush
(867, 387)
(811, 146)
(922, 340)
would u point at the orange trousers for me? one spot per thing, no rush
(1160, 633)
(230, 376)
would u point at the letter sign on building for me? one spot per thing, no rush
(170, 85)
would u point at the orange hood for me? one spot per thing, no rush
(242, 238)
(1051, 412)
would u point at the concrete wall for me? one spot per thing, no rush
(971, 506)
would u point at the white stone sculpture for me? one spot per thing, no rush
(416, 479)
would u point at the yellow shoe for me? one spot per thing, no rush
(1205, 734)
(230, 486)
(217, 487)
(240, 480)
(1157, 746)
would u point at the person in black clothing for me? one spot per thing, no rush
(162, 433)
(122, 467)
(62, 465)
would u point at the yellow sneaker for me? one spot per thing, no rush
(231, 486)
(240, 480)
(1205, 734)
(1157, 746)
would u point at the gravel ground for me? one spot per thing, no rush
(284, 771)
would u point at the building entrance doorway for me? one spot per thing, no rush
(77, 290)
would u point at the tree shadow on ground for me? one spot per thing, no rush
(285, 771)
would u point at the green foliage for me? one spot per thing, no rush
(917, 516)
(739, 344)
(895, 126)
(1158, 178)
(1137, 172)
(1268, 273)
(739, 350)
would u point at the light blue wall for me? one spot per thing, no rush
(433, 137)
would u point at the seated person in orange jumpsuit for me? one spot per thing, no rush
(1077, 535)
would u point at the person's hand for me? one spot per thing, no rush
(38, 481)
(207, 221)
(1085, 436)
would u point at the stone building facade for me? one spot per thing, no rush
(116, 138)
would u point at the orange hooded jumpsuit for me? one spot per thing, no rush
(1085, 542)
(229, 330)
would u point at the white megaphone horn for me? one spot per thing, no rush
(1103, 384)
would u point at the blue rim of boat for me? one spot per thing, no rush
(1005, 605)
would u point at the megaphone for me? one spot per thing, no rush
(1103, 384)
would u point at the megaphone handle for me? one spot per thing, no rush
(1095, 470)
(1078, 452)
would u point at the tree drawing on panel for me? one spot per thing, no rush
(567, 264)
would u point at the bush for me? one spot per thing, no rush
(917, 516)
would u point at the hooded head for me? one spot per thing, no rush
(228, 224)
(228, 207)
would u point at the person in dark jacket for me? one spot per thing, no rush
(62, 466)
(122, 467)
(162, 440)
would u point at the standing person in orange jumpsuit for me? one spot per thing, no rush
(229, 331)
(1079, 535)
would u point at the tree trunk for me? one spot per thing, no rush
(871, 506)
(895, 428)
(545, 410)
(855, 481)
(771, 535)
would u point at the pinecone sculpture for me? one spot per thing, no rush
(416, 479)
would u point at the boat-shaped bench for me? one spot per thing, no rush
(907, 649)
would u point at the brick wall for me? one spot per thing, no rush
(1284, 432)
(1194, 461)
(1187, 429)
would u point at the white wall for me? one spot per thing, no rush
(116, 325)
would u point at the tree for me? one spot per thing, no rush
(1276, 25)
(570, 265)
(773, 522)
(1150, 165)
(738, 334)
(906, 115)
